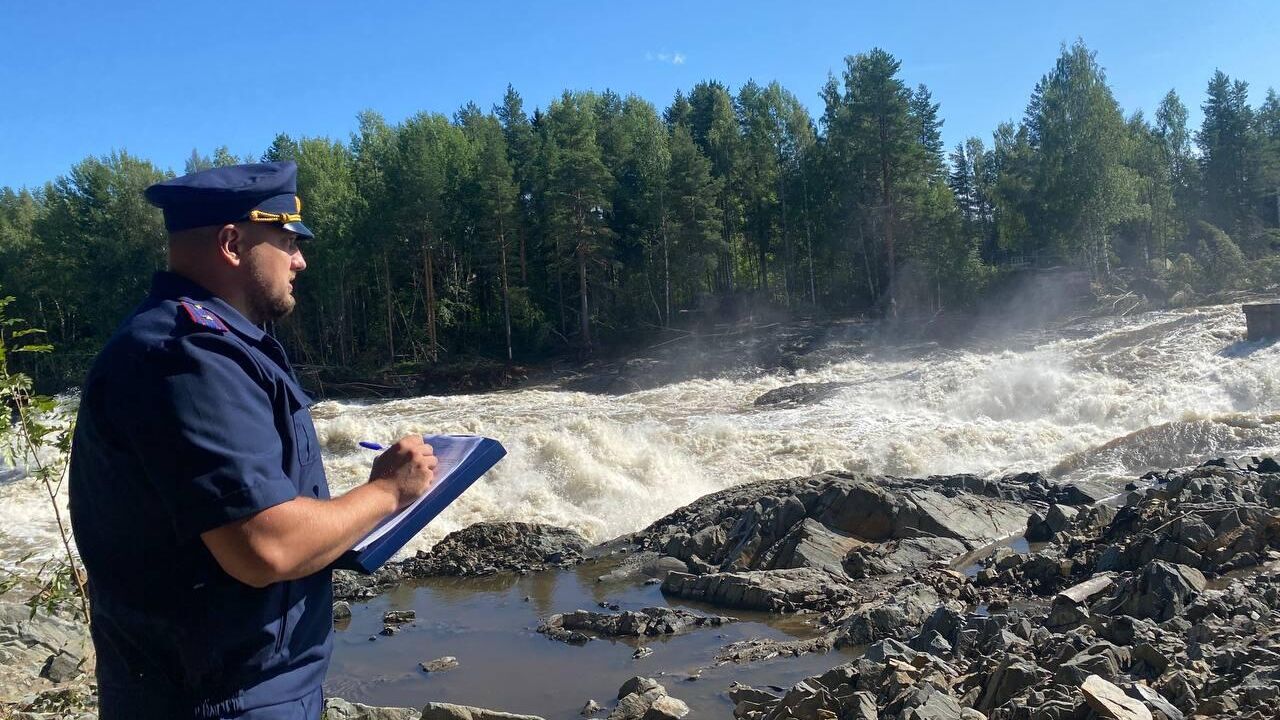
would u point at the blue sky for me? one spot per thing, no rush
(160, 78)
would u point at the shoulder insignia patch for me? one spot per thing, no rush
(200, 316)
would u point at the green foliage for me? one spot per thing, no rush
(1078, 134)
(1224, 264)
(1229, 156)
(520, 232)
(1184, 274)
(28, 438)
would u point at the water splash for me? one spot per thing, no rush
(1104, 399)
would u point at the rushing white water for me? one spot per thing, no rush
(1104, 399)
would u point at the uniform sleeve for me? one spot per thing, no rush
(206, 434)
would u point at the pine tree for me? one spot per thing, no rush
(1228, 157)
(576, 190)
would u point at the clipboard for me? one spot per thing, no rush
(463, 459)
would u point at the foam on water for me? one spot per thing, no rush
(1106, 399)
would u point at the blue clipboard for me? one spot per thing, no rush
(405, 525)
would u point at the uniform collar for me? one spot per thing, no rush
(167, 285)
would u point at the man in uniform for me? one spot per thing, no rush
(198, 499)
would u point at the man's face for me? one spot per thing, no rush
(272, 262)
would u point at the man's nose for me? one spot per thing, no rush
(297, 263)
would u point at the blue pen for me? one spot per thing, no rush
(370, 445)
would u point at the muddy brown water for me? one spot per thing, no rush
(489, 625)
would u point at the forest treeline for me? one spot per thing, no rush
(511, 234)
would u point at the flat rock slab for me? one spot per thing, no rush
(1085, 592)
(770, 590)
(39, 653)
(449, 711)
(820, 521)
(339, 709)
(1110, 701)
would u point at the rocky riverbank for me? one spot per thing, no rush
(960, 597)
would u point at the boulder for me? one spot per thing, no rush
(440, 664)
(798, 394)
(490, 547)
(61, 667)
(1060, 517)
(1009, 680)
(666, 707)
(1162, 591)
(638, 686)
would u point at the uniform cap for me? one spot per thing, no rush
(260, 192)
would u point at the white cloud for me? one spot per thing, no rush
(670, 58)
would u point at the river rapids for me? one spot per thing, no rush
(1101, 399)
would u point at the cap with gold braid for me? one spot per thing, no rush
(261, 192)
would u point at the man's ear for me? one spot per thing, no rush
(232, 244)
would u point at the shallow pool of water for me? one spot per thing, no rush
(489, 625)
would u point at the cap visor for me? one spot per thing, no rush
(300, 229)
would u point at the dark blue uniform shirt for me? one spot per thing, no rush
(191, 418)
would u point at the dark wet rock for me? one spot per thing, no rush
(649, 622)
(349, 585)
(487, 548)
(799, 394)
(62, 667)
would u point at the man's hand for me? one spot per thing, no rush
(407, 469)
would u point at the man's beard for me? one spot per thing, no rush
(268, 304)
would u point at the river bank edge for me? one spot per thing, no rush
(1161, 590)
(766, 339)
